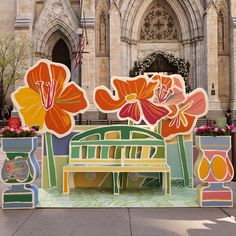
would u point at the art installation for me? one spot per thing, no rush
(214, 169)
(19, 170)
(154, 149)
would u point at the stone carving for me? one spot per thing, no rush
(102, 32)
(58, 8)
(56, 12)
(220, 31)
(158, 24)
(102, 27)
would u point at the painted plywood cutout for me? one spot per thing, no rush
(214, 169)
(135, 150)
(104, 180)
(161, 101)
(19, 171)
(50, 100)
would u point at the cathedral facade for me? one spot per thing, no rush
(125, 37)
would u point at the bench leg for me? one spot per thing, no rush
(168, 183)
(66, 189)
(124, 180)
(116, 183)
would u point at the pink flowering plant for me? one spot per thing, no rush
(214, 130)
(23, 131)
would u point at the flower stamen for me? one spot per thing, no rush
(131, 97)
(50, 93)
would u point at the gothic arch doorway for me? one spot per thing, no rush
(162, 62)
(61, 53)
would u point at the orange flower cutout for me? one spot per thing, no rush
(133, 100)
(195, 106)
(49, 99)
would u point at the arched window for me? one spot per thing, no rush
(61, 53)
(157, 24)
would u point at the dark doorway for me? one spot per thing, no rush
(161, 64)
(61, 53)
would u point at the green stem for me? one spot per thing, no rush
(50, 160)
(183, 160)
(130, 122)
(159, 126)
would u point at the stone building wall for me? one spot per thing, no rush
(120, 32)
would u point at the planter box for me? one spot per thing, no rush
(213, 168)
(19, 170)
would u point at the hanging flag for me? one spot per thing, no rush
(80, 50)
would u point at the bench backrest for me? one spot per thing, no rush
(112, 143)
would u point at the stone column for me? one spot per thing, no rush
(115, 42)
(211, 50)
(115, 47)
(24, 16)
(88, 65)
(233, 57)
(24, 24)
(23, 30)
(201, 82)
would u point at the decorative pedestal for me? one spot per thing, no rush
(214, 168)
(19, 170)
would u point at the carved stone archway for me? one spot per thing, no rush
(163, 62)
(56, 16)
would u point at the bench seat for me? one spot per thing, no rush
(129, 154)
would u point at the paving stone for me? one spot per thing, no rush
(181, 221)
(78, 222)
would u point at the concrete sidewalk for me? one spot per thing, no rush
(119, 222)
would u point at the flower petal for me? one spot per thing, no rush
(39, 72)
(173, 111)
(178, 82)
(199, 103)
(152, 113)
(61, 74)
(28, 102)
(139, 85)
(72, 99)
(105, 101)
(130, 110)
(173, 127)
(167, 81)
(175, 98)
(58, 121)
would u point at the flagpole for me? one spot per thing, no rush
(80, 61)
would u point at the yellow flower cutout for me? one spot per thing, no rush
(49, 99)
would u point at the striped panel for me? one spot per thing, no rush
(145, 153)
(134, 142)
(75, 152)
(217, 195)
(91, 152)
(104, 152)
(217, 203)
(17, 197)
(117, 168)
(17, 205)
(111, 161)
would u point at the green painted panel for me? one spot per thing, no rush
(133, 142)
(91, 152)
(18, 198)
(75, 152)
(104, 152)
(60, 161)
(173, 159)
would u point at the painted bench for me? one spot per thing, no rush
(117, 149)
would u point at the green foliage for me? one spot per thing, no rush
(14, 55)
(18, 132)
